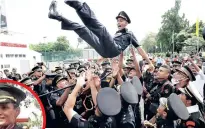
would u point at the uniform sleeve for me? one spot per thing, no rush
(78, 122)
(134, 41)
(53, 98)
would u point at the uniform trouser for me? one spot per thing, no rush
(94, 33)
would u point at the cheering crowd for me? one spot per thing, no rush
(115, 93)
(160, 92)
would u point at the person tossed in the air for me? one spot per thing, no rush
(95, 34)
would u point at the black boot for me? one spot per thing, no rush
(53, 14)
(74, 3)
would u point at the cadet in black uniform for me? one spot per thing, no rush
(193, 101)
(162, 88)
(170, 109)
(38, 78)
(103, 110)
(10, 98)
(58, 99)
(95, 33)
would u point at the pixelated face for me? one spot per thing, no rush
(132, 73)
(61, 84)
(121, 23)
(162, 73)
(8, 114)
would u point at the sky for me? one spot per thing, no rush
(29, 18)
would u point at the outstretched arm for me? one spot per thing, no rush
(70, 102)
(139, 74)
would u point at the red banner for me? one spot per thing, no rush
(13, 45)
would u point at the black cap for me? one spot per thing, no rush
(123, 15)
(27, 81)
(58, 70)
(105, 63)
(187, 71)
(129, 60)
(50, 75)
(10, 93)
(81, 68)
(57, 79)
(137, 84)
(37, 68)
(108, 101)
(129, 93)
(71, 70)
(176, 108)
(176, 63)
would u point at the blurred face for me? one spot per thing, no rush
(8, 114)
(193, 69)
(161, 111)
(38, 73)
(48, 82)
(163, 73)
(14, 70)
(180, 79)
(126, 70)
(121, 23)
(132, 73)
(61, 84)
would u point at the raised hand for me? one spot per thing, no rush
(115, 68)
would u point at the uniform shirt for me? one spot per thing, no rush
(160, 90)
(127, 39)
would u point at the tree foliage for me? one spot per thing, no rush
(172, 24)
(61, 44)
(149, 43)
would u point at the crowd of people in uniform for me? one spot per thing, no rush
(110, 92)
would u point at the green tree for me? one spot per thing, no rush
(172, 24)
(149, 43)
(62, 44)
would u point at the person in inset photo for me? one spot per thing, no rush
(19, 108)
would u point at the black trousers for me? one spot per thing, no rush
(94, 33)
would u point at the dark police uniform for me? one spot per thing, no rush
(37, 88)
(11, 94)
(95, 34)
(161, 89)
(61, 119)
(107, 108)
(50, 113)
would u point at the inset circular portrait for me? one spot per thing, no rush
(20, 108)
